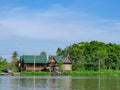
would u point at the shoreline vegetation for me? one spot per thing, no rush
(94, 73)
(35, 73)
(75, 73)
(113, 73)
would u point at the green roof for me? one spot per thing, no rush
(32, 59)
(61, 59)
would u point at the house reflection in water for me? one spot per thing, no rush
(59, 83)
(62, 83)
(46, 83)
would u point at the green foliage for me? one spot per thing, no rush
(3, 64)
(43, 53)
(14, 59)
(15, 54)
(93, 55)
(60, 65)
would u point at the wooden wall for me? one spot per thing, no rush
(67, 67)
(31, 67)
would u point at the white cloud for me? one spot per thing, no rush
(57, 24)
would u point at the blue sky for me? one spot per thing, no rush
(31, 26)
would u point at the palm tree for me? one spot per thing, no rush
(15, 54)
(14, 59)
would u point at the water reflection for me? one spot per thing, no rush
(59, 83)
(63, 83)
(96, 83)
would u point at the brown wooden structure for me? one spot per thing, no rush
(40, 63)
(32, 63)
(57, 62)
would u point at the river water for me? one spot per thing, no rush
(59, 83)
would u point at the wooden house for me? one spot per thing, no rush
(40, 63)
(32, 63)
(64, 61)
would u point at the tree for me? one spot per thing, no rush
(3, 64)
(1, 58)
(59, 50)
(61, 65)
(93, 55)
(43, 53)
(14, 59)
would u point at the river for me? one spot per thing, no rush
(59, 83)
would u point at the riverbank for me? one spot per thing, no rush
(35, 73)
(73, 73)
(94, 73)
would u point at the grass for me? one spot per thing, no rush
(74, 73)
(94, 73)
(40, 73)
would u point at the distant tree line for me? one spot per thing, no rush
(93, 55)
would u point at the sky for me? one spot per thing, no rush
(33, 26)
